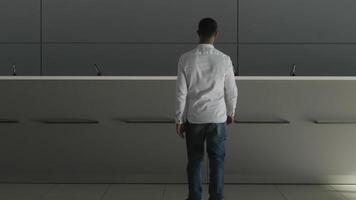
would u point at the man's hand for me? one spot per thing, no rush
(229, 120)
(180, 128)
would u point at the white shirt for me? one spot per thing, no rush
(206, 89)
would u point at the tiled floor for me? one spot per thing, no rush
(172, 192)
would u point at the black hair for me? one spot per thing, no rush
(207, 27)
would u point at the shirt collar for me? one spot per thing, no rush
(206, 45)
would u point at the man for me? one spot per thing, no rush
(206, 96)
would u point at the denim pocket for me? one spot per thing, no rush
(219, 132)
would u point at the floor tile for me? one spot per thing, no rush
(172, 192)
(347, 191)
(252, 192)
(76, 192)
(23, 191)
(180, 191)
(309, 192)
(134, 192)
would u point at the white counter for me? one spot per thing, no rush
(321, 133)
(172, 77)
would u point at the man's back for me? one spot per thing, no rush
(206, 88)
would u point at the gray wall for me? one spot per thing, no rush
(20, 36)
(319, 36)
(132, 37)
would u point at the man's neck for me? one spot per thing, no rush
(206, 42)
(210, 41)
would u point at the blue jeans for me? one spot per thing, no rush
(215, 135)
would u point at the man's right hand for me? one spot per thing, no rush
(229, 120)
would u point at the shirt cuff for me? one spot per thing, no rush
(231, 114)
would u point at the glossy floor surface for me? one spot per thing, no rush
(172, 192)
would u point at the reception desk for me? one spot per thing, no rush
(120, 129)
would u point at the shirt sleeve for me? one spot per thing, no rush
(181, 94)
(230, 89)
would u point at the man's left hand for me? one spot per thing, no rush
(180, 128)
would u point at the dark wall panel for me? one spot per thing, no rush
(297, 21)
(135, 20)
(124, 59)
(269, 60)
(25, 56)
(19, 21)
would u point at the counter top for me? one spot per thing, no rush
(172, 77)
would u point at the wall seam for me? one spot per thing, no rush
(237, 37)
(41, 37)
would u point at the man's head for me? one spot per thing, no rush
(208, 30)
